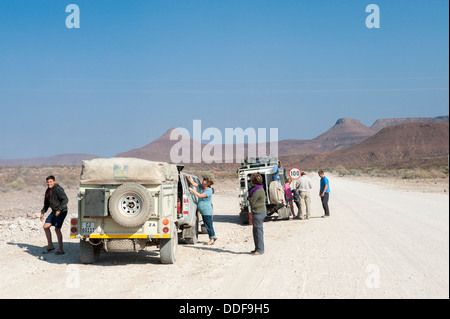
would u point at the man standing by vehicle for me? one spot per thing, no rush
(324, 192)
(304, 188)
(56, 199)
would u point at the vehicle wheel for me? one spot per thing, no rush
(130, 205)
(283, 213)
(169, 248)
(192, 233)
(87, 252)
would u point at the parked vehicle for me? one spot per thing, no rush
(274, 176)
(127, 204)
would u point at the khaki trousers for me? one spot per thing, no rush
(305, 201)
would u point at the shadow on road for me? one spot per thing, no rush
(72, 255)
(230, 219)
(218, 250)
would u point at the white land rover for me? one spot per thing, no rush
(127, 204)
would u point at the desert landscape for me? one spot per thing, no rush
(388, 235)
(386, 238)
(358, 90)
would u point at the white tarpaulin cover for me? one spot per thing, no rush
(119, 170)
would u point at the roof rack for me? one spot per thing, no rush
(259, 162)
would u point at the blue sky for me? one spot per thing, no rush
(136, 68)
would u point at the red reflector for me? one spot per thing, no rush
(74, 229)
(166, 229)
(74, 222)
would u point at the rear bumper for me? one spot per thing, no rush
(93, 236)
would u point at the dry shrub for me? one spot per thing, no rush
(17, 184)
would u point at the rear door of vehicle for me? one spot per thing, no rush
(192, 200)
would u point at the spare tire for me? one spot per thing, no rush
(130, 205)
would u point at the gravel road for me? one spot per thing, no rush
(381, 241)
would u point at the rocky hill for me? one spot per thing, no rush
(382, 123)
(425, 143)
(159, 149)
(344, 133)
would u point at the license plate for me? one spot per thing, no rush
(88, 227)
(151, 228)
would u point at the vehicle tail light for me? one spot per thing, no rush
(166, 229)
(185, 205)
(74, 228)
(166, 221)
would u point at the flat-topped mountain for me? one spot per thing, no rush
(392, 145)
(382, 123)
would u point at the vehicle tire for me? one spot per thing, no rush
(169, 248)
(283, 213)
(192, 233)
(130, 205)
(87, 252)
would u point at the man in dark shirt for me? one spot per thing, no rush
(56, 199)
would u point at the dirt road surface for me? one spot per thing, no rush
(380, 242)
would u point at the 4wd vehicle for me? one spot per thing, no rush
(127, 204)
(274, 176)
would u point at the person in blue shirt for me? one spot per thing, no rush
(324, 193)
(204, 205)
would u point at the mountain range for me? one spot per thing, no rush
(410, 145)
(348, 143)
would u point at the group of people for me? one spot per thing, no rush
(257, 199)
(301, 195)
(56, 199)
